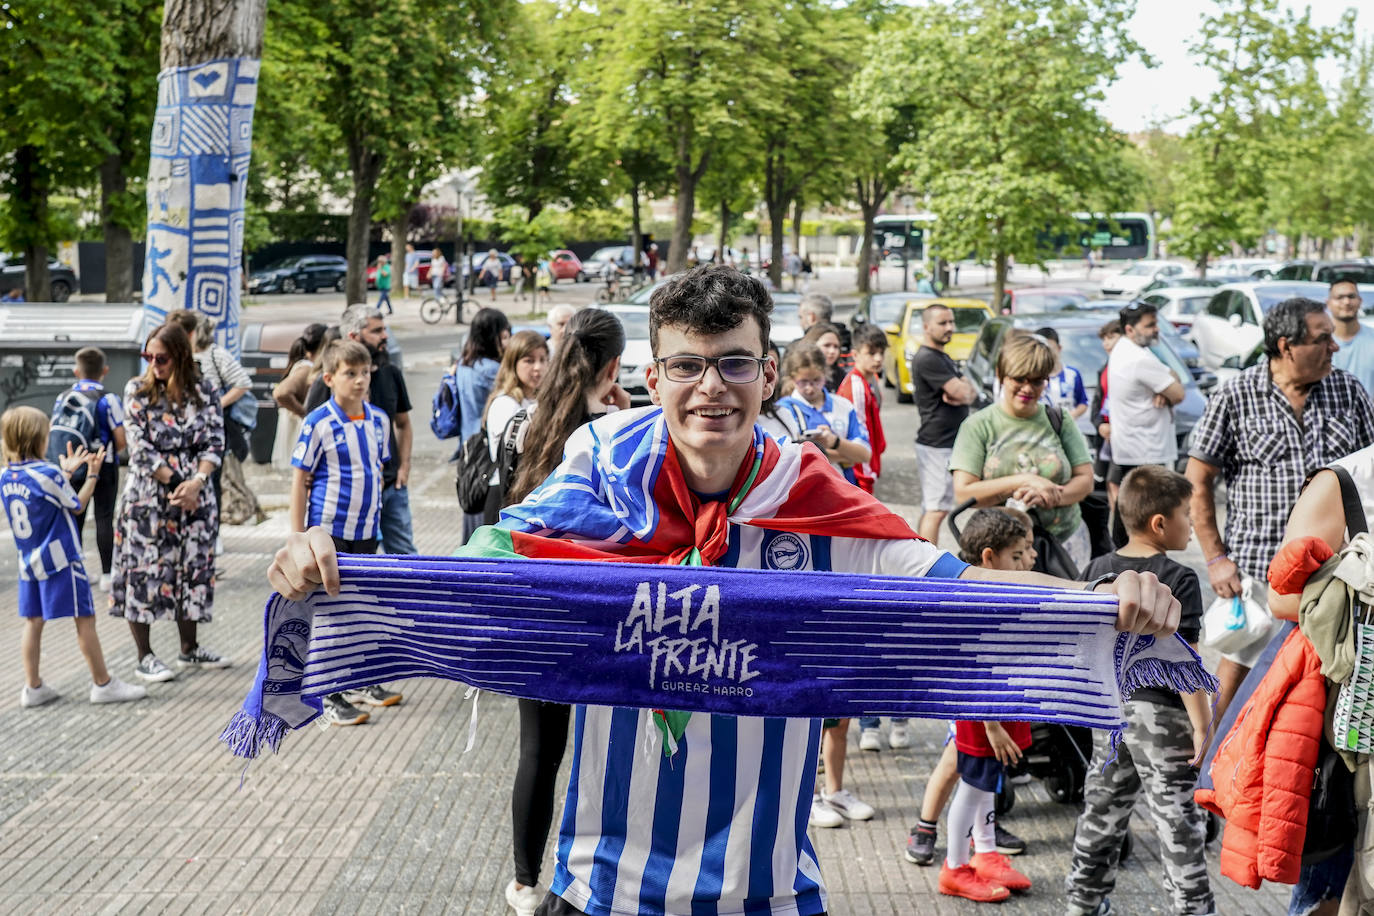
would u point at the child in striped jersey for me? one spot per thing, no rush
(337, 483)
(41, 507)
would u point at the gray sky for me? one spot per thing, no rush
(1165, 28)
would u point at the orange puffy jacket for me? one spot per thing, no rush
(1263, 770)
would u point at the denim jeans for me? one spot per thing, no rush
(384, 299)
(395, 521)
(1323, 881)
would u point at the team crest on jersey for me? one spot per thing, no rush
(298, 453)
(786, 551)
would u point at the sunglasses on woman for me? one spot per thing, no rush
(157, 359)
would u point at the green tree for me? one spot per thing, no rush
(690, 74)
(1158, 157)
(1010, 141)
(388, 77)
(1265, 61)
(54, 59)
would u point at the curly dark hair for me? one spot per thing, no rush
(710, 299)
(1288, 320)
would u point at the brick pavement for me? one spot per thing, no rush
(136, 808)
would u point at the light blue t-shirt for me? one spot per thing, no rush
(1356, 356)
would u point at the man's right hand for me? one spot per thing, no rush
(304, 563)
(1224, 576)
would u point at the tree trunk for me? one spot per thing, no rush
(365, 165)
(776, 198)
(796, 226)
(724, 245)
(207, 87)
(119, 241)
(777, 218)
(399, 227)
(871, 194)
(999, 283)
(31, 190)
(636, 229)
(684, 210)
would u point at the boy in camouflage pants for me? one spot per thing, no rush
(1164, 731)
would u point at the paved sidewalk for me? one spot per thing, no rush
(137, 808)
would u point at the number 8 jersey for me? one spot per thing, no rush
(39, 503)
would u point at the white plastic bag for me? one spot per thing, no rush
(1232, 625)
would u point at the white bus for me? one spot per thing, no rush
(1118, 236)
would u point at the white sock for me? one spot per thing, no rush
(970, 807)
(985, 824)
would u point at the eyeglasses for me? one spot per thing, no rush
(733, 370)
(157, 359)
(1031, 382)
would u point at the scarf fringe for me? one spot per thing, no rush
(246, 733)
(1180, 677)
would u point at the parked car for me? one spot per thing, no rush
(61, 278)
(1361, 270)
(1040, 299)
(1083, 350)
(1179, 304)
(904, 337)
(300, 274)
(1207, 282)
(565, 265)
(622, 255)
(1237, 269)
(1232, 323)
(637, 355)
(1131, 280)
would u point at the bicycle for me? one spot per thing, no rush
(434, 308)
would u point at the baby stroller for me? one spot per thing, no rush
(1058, 754)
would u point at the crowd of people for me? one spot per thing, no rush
(1020, 467)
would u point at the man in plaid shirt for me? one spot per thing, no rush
(1263, 432)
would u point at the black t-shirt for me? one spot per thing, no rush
(388, 394)
(1181, 580)
(930, 369)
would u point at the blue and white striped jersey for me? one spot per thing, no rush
(39, 503)
(719, 828)
(344, 458)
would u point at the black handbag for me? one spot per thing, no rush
(475, 467)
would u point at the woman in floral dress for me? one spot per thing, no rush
(165, 538)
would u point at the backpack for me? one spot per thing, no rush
(446, 411)
(75, 422)
(475, 467)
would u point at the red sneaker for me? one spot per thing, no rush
(996, 868)
(965, 882)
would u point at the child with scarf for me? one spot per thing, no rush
(826, 420)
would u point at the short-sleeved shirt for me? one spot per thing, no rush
(388, 394)
(940, 421)
(39, 503)
(1066, 390)
(837, 413)
(344, 458)
(1356, 356)
(1181, 580)
(1249, 432)
(1141, 432)
(993, 443)
(109, 415)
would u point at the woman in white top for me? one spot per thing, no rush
(522, 369)
(290, 392)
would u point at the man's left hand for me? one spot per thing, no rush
(1146, 604)
(402, 477)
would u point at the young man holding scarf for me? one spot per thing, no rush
(714, 821)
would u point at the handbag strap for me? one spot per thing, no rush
(1355, 522)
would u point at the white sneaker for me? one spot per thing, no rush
(37, 696)
(524, 900)
(822, 815)
(116, 691)
(870, 739)
(899, 737)
(844, 802)
(104, 582)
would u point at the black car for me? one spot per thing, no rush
(61, 282)
(302, 274)
(1083, 350)
(1360, 270)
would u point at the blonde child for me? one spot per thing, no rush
(42, 507)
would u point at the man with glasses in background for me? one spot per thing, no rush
(1144, 392)
(1356, 354)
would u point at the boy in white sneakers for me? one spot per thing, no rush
(41, 507)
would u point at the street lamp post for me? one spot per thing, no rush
(459, 183)
(906, 243)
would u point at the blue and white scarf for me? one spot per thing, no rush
(706, 639)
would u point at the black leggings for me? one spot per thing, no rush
(104, 498)
(543, 739)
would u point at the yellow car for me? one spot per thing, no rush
(904, 337)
